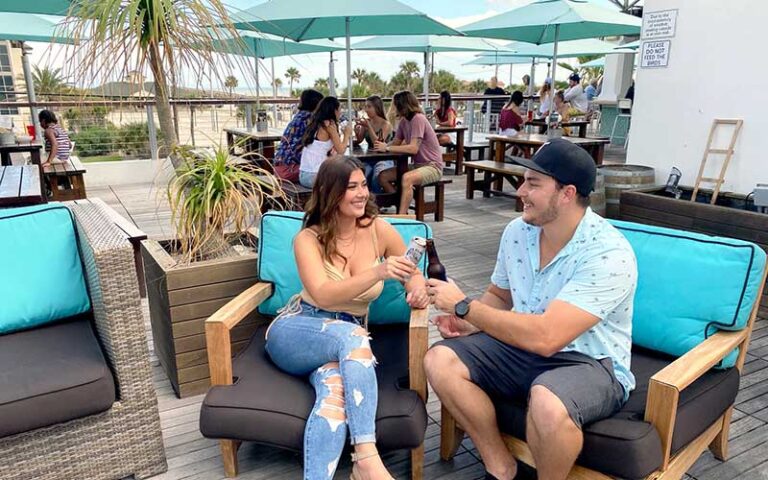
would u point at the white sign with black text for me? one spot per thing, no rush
(659, 24)
(655, 54)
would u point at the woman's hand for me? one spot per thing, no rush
(348, 129)
(418, 298)
(398, 268)
(380, 146)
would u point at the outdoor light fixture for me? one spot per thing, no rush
(672, 181)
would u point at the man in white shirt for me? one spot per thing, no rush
(575, 95)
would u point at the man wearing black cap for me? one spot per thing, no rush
(553, 329)
(575, 95)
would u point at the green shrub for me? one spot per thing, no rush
(134, 139)
(90, 142)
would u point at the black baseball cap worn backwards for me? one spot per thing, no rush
(567, 163)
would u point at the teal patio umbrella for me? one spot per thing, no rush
(31, 28)
(428, 45)
(302, 20)
(552, 21)
(44, 7)
(598, 62)
(263, 45)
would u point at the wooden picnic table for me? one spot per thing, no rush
(542, 124)
(262, 143)
(20, 185)
(494, 174)
(456, 156)
(32, 148)
(66, 179)
(371, 157)
(530, 142)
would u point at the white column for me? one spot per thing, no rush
(617, 76)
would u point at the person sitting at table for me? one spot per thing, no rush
(321, 136)
(415, 137)
(370, 130)
(545, 98)
(57, 142)
(445, 116)
(564, 109)
(575, 95)
(288, 153)
(510, 119)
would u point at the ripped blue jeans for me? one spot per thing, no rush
(334, 350)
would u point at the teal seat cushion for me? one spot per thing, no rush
(690, 286)
(277, 265)
(41, 271)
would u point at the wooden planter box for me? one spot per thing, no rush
(181, 298)
(653, 206)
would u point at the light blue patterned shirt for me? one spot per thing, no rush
(596, 272)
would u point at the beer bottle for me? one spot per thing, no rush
(435, 269)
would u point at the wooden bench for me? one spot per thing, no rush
(66, 179)
(130, 231)
(480, 147)
(494, 174)
(297, 194)
(436, 206)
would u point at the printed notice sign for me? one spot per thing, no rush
(659, 24)
(655, 54)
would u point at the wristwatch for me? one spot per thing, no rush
(461, 309)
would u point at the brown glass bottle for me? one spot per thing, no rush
(435, 269)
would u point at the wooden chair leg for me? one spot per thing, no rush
(439, 201)
(719, 445)
(417, 463)
(229, 456)
(450, 435)
(418, 198)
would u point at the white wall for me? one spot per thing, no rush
(717, 69)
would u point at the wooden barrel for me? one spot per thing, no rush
(597, 197)
(623, 177)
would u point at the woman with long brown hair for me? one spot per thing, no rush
(343, 254)
(321, 137)
(375, 128)
(415, 137)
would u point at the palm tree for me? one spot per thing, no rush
(48, 81)
(360, 75)
(410, 69)
(116, 37)
(625, 5)
(293, 75)
(231, 83)
(278, 83)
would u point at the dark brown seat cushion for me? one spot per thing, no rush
(268, 406)
(52, 374)
(624, 445)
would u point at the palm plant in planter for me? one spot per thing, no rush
(214, 198)
(213, 192)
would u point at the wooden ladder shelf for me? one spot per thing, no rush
(728, 152)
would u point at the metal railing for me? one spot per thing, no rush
(109, 130)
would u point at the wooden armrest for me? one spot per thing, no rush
(665, 386)
(418, 339)
(218, 326)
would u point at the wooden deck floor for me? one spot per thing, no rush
(467, 241)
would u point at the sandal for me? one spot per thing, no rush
(356, 458)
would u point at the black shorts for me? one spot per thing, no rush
(587, 387)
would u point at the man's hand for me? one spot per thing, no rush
(444, 295)
(380, 146)
(451, 326)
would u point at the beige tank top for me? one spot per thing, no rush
(358, 306)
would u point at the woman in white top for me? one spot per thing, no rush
(545, 98)
(321, 136)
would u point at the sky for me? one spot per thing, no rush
(386, 64)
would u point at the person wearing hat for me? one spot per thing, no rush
(575, 95)
(554, 327)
